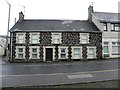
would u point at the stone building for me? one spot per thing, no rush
(54, 40)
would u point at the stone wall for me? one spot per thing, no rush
(68, 39)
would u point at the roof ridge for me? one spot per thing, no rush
(107, 12)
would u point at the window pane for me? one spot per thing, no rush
(105, 49)
(84, 41)
(56, 41)
(34, 38)
(112, 26)
(20, 49)
(34, 50)
(20, 41)
(62, 50)
(91, 56)
(76, 56)
(56, 38)
(105, 26)
(76, 50)
(91, 53)
(35, 41)
(20, 36)
(91, 50)
(105, 43)
(34, 55)
(20, 55)
(63, 55)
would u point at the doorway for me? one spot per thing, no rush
(49, 54)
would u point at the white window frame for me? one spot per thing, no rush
(115, 27)
(106, 46)
(73, 47)
(17, 37)
(17, 52)
(31, 40)
(92, 47)
(105, 26)
(81, 39)
(116, 45)
(60, 39)
(66, 52)
(44, 52)
(38, 50)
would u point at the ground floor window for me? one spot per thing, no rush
(115, 47)
(106, 47)
(91, 52)
(63, 52)
(20, 52)
(34, 52)
(76, 53)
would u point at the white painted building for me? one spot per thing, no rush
(109, 24)
(2, 45)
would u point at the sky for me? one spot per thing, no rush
(51, 9)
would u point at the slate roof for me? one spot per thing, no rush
(107, 17)
(55, 25)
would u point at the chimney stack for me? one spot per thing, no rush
(90, 11)
(21, 16)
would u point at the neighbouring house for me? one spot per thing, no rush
(54, 40)
(3, 45)
(109, 24)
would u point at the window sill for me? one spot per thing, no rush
(114, 31)
(115, 53)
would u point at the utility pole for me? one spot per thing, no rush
(7, 51)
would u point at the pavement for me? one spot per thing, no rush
(34, 74)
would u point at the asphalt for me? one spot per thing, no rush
(34, 74)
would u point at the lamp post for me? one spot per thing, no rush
(7, 52)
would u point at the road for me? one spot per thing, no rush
(15, 75)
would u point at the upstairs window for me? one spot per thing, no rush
(34, 38)
(84, 38)
(56, 38)
(115, 27)
(20, 38)
(105, 26)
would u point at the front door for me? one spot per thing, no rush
(49, 54)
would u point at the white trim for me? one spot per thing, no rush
(59, 52)
(60, 34)
(38, 50)
(44, 52)
(16, 54)
(37, 38)
(73, 51)
(80, 38)
(94, 47)
(95, 16)
(23, 37)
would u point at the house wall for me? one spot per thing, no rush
(107, 36)
(2, 45)
(68, 40)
